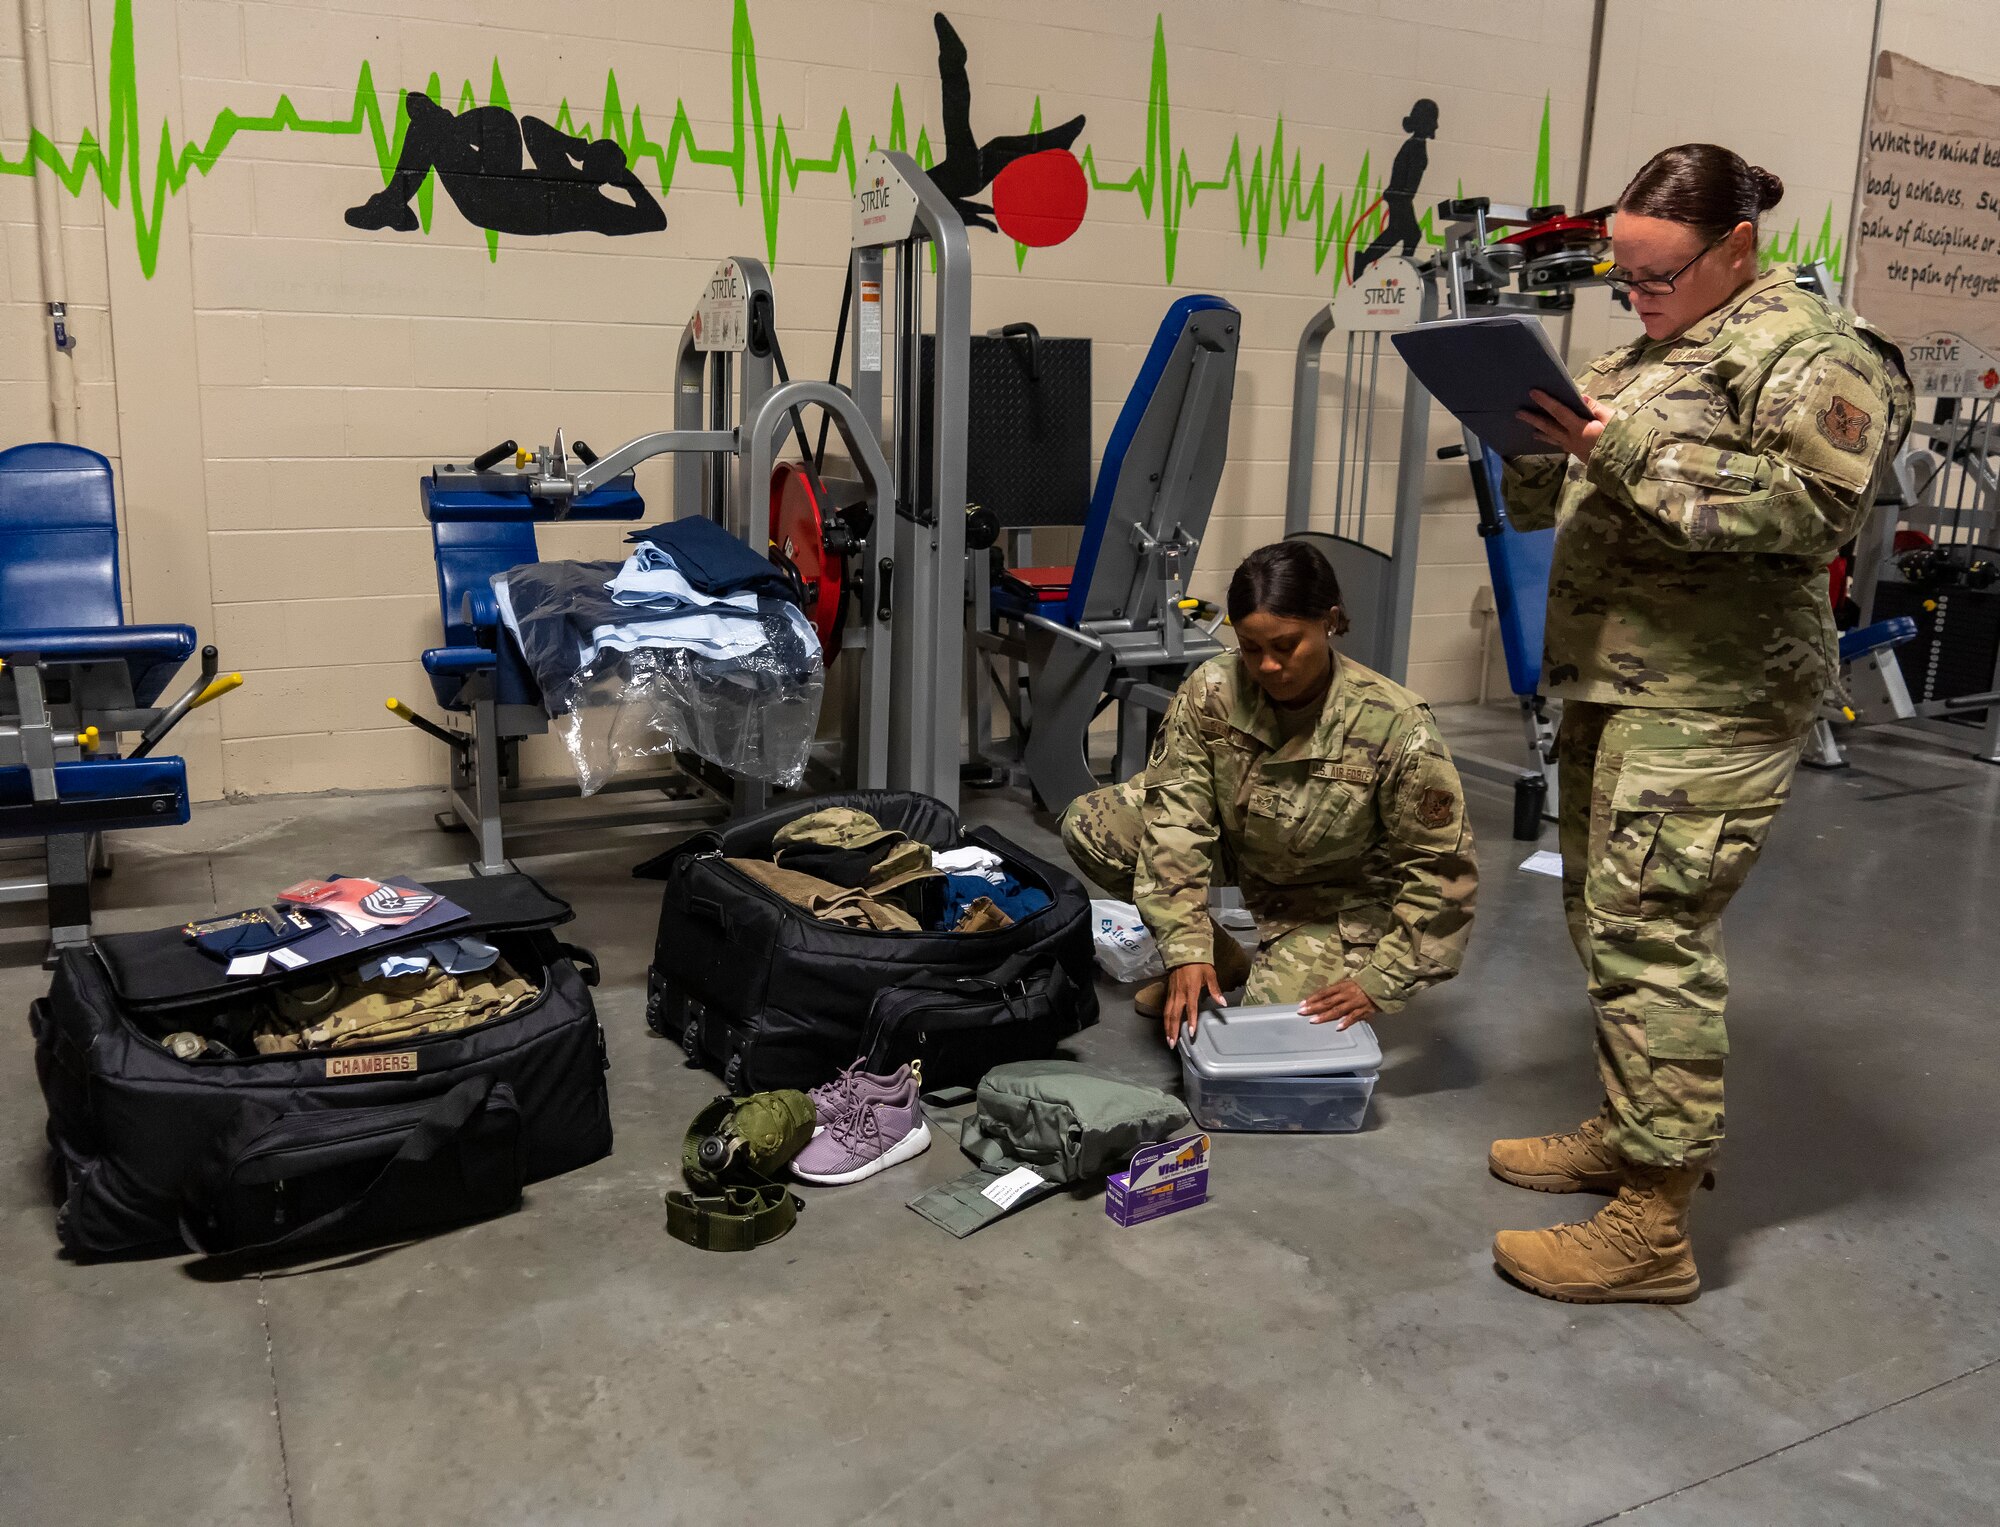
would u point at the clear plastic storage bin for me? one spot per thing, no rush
(1268, 1068)
(1302, 1104)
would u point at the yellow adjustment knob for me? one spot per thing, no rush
(522, 458)
(1849, 712)
(87, 739)
(1930, 604)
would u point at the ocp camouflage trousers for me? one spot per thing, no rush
(1663, 813)
(1101, 830)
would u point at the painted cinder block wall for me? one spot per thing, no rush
(269, 382)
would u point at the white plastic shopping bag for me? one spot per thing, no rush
(1125, 950)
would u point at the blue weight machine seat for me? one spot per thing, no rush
(478, 672)
(1873, 690)
(75, 677)
(1882, 636)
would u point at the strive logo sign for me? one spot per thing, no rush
(1945, 364)
(1388, 296)
(722, 314)
(885, 207)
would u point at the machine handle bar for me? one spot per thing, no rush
(169, 718)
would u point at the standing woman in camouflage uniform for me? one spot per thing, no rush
(1318, 788)
(1727, 455)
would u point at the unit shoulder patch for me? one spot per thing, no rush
(1845, 426)
(1436, 808)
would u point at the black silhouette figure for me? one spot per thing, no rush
(1400, 195)
(477, 155)
(968, 166)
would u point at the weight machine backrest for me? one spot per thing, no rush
(58, 539)
(1111, 581)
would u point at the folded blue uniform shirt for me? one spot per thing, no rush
(713, 560)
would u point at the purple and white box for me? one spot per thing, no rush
(1161, 1179)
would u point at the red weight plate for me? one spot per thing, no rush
(799, 531)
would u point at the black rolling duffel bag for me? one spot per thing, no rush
(299, 1151)
(766, 995)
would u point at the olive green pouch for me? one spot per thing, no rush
(1062, 1122)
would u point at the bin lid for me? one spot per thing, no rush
(1277, 1040)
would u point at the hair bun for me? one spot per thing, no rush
(1770, 189)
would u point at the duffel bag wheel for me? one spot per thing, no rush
(654, 1003)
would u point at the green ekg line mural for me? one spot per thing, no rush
(1165, 182)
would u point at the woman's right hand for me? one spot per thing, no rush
(1186, 986)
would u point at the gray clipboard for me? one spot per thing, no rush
(1482, 370)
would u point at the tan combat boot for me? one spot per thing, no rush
(1232, 969)
(1635, 1250)
(1581, 1161)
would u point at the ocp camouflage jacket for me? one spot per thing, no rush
(1691, 550)
(1358, 825)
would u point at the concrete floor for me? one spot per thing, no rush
(1325, 1341)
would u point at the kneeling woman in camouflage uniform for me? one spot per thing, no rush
(1318, 788)
(1728, 454)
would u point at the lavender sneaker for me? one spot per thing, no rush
(837, 1096)
(878, 1130)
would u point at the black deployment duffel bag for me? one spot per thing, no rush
(766, 995)
(290, 1152)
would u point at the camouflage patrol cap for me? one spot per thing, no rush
(833, 827)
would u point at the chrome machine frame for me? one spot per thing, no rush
(910, 626)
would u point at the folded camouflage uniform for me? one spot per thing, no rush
(334, 1013)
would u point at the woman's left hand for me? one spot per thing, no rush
(1342, 1001)
(1563, 429)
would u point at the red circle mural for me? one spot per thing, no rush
(1038, 200)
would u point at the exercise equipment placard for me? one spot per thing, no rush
(1927, 254)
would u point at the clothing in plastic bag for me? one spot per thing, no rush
(630, 683)
(1125, 950)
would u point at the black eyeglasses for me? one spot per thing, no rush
(1624, 282)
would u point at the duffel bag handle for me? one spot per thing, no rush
(1019, 971)
(711, 909)
(437, 1130)
(583, 959)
